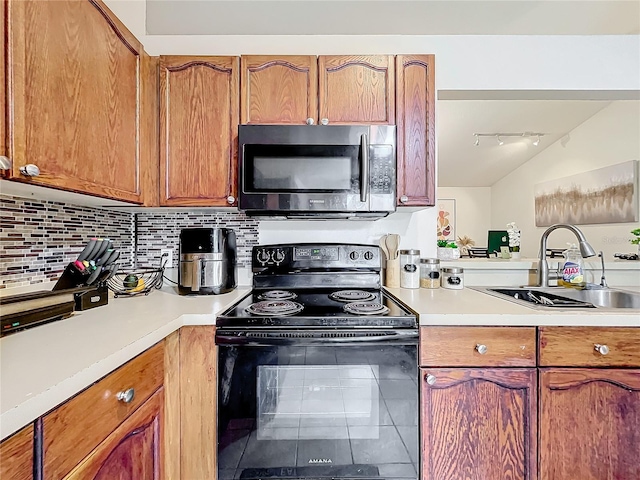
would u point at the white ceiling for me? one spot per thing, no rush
(392, 17)
(462, 164)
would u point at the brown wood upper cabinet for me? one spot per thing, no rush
(75, 99)
(278, 89)
(589, 424)
(199, 110)
(415, 117)
(356, 89)
(479, 423)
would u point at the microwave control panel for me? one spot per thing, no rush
(382, 169)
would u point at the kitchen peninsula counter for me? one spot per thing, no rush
(44, 366)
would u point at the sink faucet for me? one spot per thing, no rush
(543, 267)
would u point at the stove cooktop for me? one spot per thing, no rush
(318, 308)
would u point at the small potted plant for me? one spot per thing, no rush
(636, 241)
(448, 250)
(514, 239)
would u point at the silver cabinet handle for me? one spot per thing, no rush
(404, 199)
(5, 163)
(126, 396)
(431, 379)
(324, 121)
(30, 170)
(231, 199)
(310, 121)
(601, 349)
(482, 349)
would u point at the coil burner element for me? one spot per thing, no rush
(366, 308)
(352, 296)
(274, 307)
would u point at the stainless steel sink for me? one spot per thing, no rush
(566, 298)
(607, 297)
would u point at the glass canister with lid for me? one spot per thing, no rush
(453, 278)
(409, 269)
(429, 273)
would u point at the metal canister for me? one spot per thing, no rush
(429, 273)
(409, 269)
(453, 278)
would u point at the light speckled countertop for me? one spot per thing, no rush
(42, 367)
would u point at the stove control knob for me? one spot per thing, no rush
(279, 257)
(368, 255)
(354, 255)
(263, 256)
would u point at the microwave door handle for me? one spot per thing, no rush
(364, 168)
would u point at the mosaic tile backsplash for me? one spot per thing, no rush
(158, 231)
(39, 238)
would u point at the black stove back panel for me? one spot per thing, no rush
(316, 256)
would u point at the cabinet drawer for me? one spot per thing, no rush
(589, 347)
(462, 346)
(75, 428)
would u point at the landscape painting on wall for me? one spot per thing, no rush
(605, 195)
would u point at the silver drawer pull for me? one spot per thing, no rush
(482, 349)
(431, 379)
(601, 349)
(126, 396)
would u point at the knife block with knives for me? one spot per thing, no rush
(94, 266)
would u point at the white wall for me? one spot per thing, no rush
(463, 62)
(416, 230)
(473, 211)
(611, 136)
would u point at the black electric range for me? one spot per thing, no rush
(317, 370)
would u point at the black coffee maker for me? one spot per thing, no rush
(207, 261)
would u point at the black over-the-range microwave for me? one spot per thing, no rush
(317, 171)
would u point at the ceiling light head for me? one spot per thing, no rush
(536, 142)
(477, 142)
(500, 141)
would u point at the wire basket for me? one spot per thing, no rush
(137, 282)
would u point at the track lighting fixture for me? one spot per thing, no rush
(500, 137)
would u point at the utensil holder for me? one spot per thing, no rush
(392, 276)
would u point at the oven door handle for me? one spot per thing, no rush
(364, 168)
(316, 337)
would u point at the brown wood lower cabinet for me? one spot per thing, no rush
(478, 423)
(589, 424)
(132, 451)
(16, 455)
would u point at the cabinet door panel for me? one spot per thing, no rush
(132, 452)
(16, 455)
(589, 424)
(478, 424)
(415, 97)
(75, 97)
(357, 89)
(199, 110)
(279, 89)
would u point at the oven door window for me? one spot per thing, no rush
(301, 168)
(318, 411)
